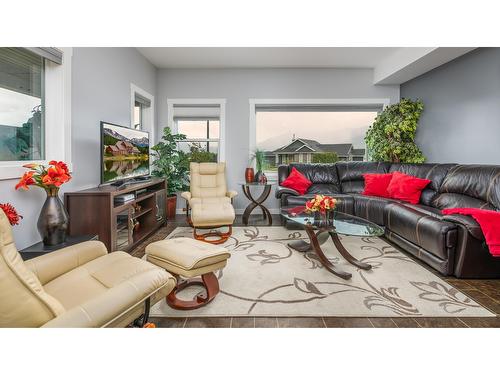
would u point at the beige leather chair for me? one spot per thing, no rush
(209, 203)
(78, 286)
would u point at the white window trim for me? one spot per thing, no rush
(253, 103)
(148, 115)
(222, 119)
(57, 117)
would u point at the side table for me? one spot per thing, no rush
(256, 202)
(40, 249)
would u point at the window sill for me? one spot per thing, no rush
(14, 170)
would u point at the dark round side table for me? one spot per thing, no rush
(256, 202)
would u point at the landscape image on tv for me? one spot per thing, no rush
(125, 153)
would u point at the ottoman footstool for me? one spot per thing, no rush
(187, 259)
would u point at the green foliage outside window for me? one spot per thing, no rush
(198, 154)
(325, 157)
(392, 136)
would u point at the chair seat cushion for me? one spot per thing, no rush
(186, 256)
(426, 231)
(371, 208)
(212, 214)
(209, 200)
(101, 274)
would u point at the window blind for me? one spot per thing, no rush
(319, 108)
(49, 53)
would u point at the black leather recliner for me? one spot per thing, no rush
(451, 244)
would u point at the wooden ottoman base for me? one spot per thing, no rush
(208, 281)
(220, 237)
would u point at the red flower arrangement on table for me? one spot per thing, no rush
(49, 177)
(11, 213)
(321, 203)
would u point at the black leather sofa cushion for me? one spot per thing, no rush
(351, 174)
(470, 186)
(425, 231)
(319, 174)
(434, 172)
(371, 208)
(345, 203)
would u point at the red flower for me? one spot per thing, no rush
(57, 174)
(11, 213)
(26, 180)
(60, 164)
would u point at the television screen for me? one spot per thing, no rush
(125, 153)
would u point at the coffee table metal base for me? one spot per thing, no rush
(318, 238)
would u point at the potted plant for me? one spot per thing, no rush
(392, 136)
(53, 219)
(173, 164)
(260, 165)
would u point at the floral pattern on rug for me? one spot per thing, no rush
(264, 277)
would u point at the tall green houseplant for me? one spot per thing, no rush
(171, 163)
(392, 136)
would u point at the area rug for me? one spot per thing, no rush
(264, 277)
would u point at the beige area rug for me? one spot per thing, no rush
(264, 277)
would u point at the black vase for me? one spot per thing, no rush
(53, 220)
(260, 177)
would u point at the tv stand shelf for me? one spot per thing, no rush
(124, 225)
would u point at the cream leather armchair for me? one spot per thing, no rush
(209, 203)
(78, 286)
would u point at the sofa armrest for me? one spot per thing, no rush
(109, 306)
(49, 266)
(231, 194)
(186, 195)
(281, 190)
(468, 222)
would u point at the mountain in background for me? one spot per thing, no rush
(142, 142)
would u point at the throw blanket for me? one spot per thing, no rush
(489, 221)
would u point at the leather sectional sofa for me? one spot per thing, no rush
(452, 245)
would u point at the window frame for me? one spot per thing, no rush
(147, 113)
(200, 140)
(172, 124)
(57, 117)
(254, 103)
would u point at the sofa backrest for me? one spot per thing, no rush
(431, 171)
(351, 174)
(323, 176)
(476, 186)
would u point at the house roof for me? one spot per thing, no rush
(341, 149)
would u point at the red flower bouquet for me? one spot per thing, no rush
(11, 213)
(53, 220)
(321, 203)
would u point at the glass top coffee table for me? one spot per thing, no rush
(319, 229)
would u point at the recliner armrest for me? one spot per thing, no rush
(281, 190)
(231, 194)
(468, 222)
(186, 195)
(49, 266)
(109, 306)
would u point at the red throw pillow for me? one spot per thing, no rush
(406, 188)
(297, 181)
(376, 184)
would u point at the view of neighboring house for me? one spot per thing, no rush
(301, 150)
(122, 148)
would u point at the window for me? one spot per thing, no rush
(202, 138)
(141, 105)
(22, 133)
(312, 134)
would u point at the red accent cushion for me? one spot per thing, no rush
(297, 181)
(376, 184)
(406, 188)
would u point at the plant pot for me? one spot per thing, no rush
(53, 220)
(171, 206)
(249, 175)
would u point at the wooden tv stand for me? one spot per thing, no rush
(121, 226)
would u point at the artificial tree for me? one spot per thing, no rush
(173, 164)
(391, 138)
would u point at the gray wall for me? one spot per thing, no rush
(461, 118)
(101, 79)
(237, 86)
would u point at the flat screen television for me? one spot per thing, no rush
(124, 153)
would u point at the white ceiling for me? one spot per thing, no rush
(266, 57)
(391, 65)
